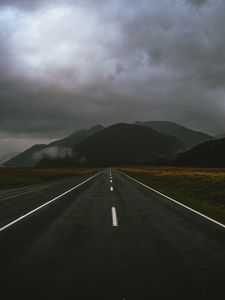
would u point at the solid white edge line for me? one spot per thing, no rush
(47, 203)
(171, 199)
(114, 217)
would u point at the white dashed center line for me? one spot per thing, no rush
(111, 188)
(114, 217)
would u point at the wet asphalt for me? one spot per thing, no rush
(74, 248)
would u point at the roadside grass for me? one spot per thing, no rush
(14, 177)
(201, 189)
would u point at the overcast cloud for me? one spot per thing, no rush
(71, 64)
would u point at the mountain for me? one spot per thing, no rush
(24, 159)
(208, 154)
(31, 156)
(77, 137)
(5, 157)
(142, 142)
(121, 144)
(188, 137)
(220, 136)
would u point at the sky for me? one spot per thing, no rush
(66, 65)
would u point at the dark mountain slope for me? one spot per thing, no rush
(7, 156)
(27, 158)
(208, 154)
(188, 137)
(76, 137)
(220, 136)
(122, 144)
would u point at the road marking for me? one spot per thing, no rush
(111, 188)
(171, 199)
(110, 172)
(114, 217)
(24, 193)
(47, 203)
(110, 180)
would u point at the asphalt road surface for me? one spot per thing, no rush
(107, 239)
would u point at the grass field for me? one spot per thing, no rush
(201, 189)
(13, 177)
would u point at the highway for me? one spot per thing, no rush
(106, 238)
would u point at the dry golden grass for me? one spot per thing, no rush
(202, 189)
(26, 176)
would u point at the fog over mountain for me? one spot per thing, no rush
(118, 144)
(66, 65)
(141, 142)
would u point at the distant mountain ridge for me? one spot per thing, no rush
(28, 159)
(7, 156)
(208, 154)
(77, 137)
(67, 148)
(187, 136)
(120, 144)
(220, 136)
(24, 159)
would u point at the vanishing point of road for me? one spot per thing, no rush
(107, 237)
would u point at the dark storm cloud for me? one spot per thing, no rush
(197, 2)
(71, 64)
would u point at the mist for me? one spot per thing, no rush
(54, 152)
